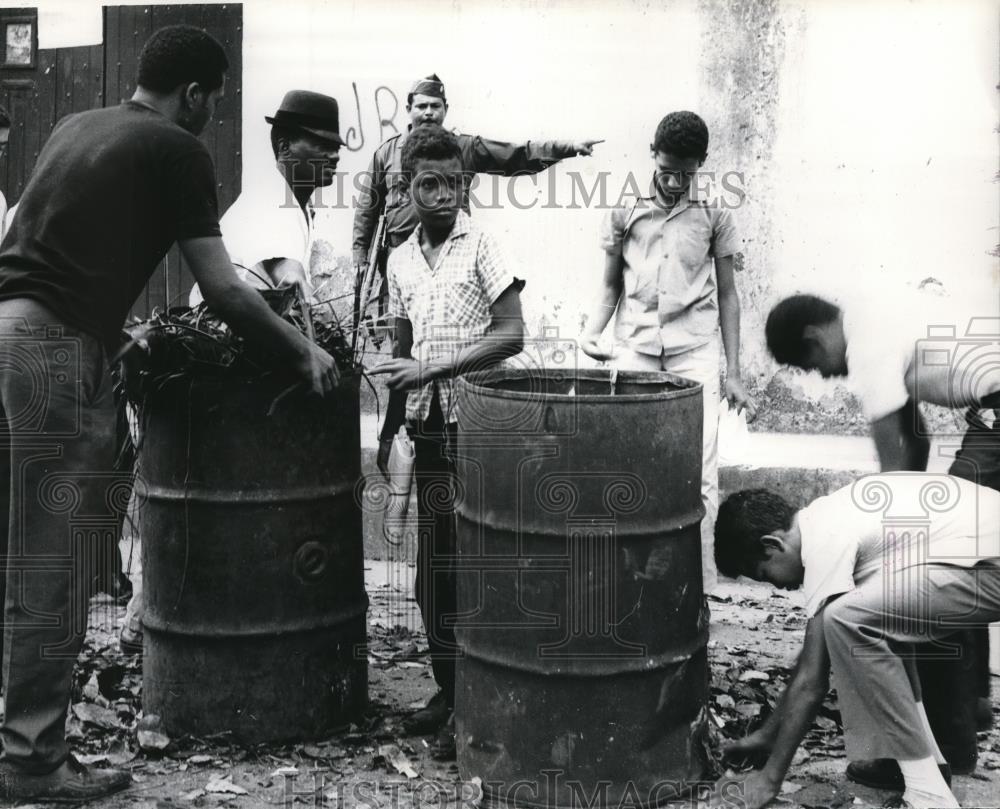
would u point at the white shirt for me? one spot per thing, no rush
(922, 346)
(891, 522)
(265, 223)
(669, 303)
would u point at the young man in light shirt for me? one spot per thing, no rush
(670, 259)
(886, 562)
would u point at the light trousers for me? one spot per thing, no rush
(870, 633)
(700, 365)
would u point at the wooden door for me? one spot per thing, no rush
(66, 80)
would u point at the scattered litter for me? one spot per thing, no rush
(88, 759)
(150, 733)
(470, 793)
(95, 715)
(223, 785)
(394, 756)
(823, 796)
(92, 692)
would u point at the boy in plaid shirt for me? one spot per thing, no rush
(457, 308)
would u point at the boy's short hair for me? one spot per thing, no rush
(682, 134)
(787, 322)
(4, 118)
(743, 519)
(428, 142)
(181, 55)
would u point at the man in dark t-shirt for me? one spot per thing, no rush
(89, 232)
(112, 190)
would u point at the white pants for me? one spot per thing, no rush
(869, 632)
(699, 365)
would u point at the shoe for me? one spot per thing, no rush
(884, 773)
(443, 746)
(984, 714)
(71, 782)
(428, 719)
(130, 642)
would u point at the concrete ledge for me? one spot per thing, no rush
(797, 485)
(799, 467)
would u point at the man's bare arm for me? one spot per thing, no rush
(788, 725)
(729, 324)
(608, 298)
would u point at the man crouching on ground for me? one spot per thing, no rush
(874, 583)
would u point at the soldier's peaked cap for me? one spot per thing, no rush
(428, 86)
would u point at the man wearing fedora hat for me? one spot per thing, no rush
(383, 188)
(269, 229)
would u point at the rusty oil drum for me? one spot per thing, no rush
(255, 619)
(583, 676)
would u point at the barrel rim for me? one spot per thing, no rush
(474, 380)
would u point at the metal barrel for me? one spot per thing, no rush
(583, 674)
(255, 618)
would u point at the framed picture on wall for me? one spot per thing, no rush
(20, 42)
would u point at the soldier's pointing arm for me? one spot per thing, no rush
(485, 156)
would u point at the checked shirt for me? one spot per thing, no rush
(449, 304)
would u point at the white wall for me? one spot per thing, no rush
(886, 157)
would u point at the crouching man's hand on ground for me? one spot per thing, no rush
(752, 790)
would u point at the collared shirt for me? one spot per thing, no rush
(904, 344)
(383, 187)
(449, 304)
(882, 524)
(669, 302)
(265, 223)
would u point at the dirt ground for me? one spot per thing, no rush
(755, 632)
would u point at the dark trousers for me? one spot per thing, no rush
(60, 503)
(952, 685)
(434, 470)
